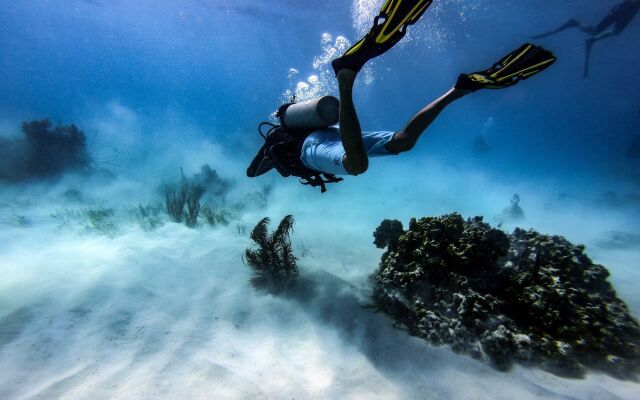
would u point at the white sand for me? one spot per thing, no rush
(170, 314)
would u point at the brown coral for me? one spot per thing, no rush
(524, 297)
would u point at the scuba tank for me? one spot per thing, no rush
(313, 114)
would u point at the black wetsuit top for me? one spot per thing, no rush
(620, 17)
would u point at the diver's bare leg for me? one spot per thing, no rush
(572, 23)
(589, 46)
(588, 29)
(605, 35)
(355, 160)
(405, 139)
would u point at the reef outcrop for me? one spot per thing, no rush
(43, 152)
(523, 298)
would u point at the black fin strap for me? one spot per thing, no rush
(331, 178)
(320, 180)
(314, 181)
(271, 129)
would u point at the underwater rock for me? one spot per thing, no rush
(523, 298)
(209, 179)
(273, 263)
(43, 152)
(387, 234)
(13, 159)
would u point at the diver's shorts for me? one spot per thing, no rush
(323, 151)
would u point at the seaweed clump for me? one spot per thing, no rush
(183, 200)
(273, 263)
(101, 221)
(523, 297)
(174, 199)
(215, 218)
(194, 195)
(148, 217)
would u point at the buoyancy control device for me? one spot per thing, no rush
(283, 142)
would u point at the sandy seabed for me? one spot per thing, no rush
(170, 314)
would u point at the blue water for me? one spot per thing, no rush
(161, 85)
(224, 64)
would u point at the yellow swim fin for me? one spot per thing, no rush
(520, 64)
(388, 28)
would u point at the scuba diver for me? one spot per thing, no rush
(613, 24)
(307, 146)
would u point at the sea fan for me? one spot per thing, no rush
(273, 263)
(175, 200)
(194, 194)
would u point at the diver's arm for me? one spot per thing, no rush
(355, 160)
(405, 139)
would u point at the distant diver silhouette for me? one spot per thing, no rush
(306, 146)
(633, 151)
(613, 24)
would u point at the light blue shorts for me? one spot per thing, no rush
(323, 151)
